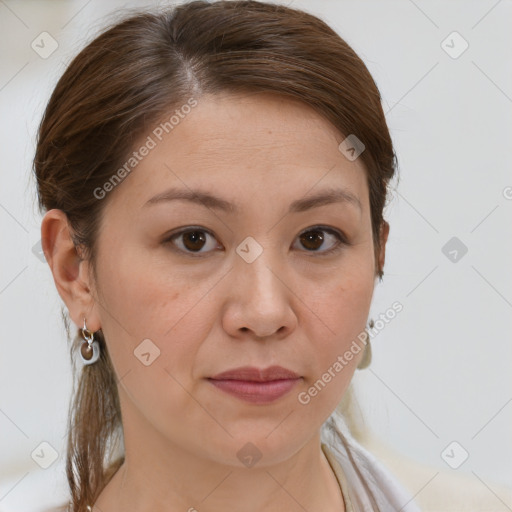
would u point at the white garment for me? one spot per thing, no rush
(372, 488)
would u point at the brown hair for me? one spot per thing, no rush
(122, 83)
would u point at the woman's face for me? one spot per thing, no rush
(260, 279)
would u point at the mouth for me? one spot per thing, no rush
(257, 386)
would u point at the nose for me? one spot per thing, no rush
(260, 301)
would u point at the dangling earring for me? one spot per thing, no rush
(367, 355)
(90, 349)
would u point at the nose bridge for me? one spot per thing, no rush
(258, 299)
(255, 271)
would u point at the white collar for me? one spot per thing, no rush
(371, 486)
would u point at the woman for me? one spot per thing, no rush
(213, 179)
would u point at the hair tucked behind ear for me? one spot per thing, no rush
(122, 83)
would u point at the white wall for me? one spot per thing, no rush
(441, 368)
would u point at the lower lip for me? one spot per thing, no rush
(256, 392)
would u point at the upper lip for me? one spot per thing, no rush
(250, 373)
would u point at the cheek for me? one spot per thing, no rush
(335, 356)
(152, 321)
(342, 298)
(145, 298)
(337, 327)
(149, 307)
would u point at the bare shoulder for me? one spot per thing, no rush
(437, 489)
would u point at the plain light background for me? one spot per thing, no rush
(441, 370)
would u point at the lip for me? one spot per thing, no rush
(250, 373)
(254, 385)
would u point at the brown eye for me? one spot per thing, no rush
(192, 241)
(326, 239)
(312, 240)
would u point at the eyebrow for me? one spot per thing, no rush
(329, 196)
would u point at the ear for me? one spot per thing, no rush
(384, 232)
(70, 272)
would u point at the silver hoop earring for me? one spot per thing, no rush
(90, 349)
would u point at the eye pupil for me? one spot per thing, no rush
(195, 237)
(312, 237)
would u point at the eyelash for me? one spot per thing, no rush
(342, 240)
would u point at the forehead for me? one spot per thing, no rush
(265, 125)
(241, 144)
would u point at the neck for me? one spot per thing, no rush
(159, 475)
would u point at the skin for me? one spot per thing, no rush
(295, 305)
